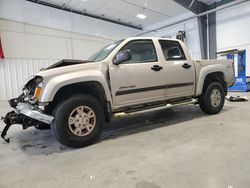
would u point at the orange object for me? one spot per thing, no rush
(37, 92)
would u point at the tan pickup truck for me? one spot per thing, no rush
(75, 98)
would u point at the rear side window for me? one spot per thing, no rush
(172, 50)
(142, 51)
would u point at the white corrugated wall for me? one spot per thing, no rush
(14, 73)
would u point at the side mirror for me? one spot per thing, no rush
(121, 57)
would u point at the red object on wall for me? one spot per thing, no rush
(1, 50)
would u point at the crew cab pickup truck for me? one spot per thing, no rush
(75, 98)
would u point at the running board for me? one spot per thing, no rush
(170, 105)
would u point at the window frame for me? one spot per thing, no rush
(180, 48)
(139, 40)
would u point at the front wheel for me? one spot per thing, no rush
(78, 121)
(212, 99)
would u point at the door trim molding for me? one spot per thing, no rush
(169, 86)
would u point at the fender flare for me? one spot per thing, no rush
(204, 72)
(56, 83)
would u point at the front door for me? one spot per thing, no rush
(139, 80)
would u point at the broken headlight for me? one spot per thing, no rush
(33, 88)
(38, 89)
(38, 79)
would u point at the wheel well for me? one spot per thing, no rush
(92, 88)
(215, 77)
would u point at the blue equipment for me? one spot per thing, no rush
(242, 82)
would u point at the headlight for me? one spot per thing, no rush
(38, 79)
(39, 84)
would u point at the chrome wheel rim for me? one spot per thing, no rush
(82, 121)
(215, 98)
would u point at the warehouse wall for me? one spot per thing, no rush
(21, 40)
(15, 72)
(233, 29)
(36, 31)
(35, 36)
(29, 48)
(191, 28)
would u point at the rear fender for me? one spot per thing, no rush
(204, 72)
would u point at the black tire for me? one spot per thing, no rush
(42, 126)
(61, 128)
(205, 101)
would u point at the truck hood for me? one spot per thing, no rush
(67, 66)
(66, 62)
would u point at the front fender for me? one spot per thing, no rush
(203, 74)
(54, 84)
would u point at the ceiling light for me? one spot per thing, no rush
(141, 16)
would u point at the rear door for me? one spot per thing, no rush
(141, 79)
(180, 73)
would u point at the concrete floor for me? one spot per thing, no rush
(179, 147)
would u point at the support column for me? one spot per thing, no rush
(198, 7)
(212, 36)
(202, 25)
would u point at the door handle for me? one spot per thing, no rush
(186, 66)
(156, 68)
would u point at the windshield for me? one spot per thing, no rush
(104, 52)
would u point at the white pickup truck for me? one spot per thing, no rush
(75, 98)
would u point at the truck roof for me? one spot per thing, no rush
(157, 38)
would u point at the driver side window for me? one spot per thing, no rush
(142, 51)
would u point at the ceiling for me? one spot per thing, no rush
(125, 11)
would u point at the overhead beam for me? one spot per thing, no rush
(219, 3)
(65, 8)
(228, 5)
(206, 25)
(195, 6)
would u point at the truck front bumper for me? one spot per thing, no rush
(24, 114)
(29, 111)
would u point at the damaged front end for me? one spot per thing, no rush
(26, 108)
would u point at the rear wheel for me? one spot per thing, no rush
(78, 121)
(212, 99)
